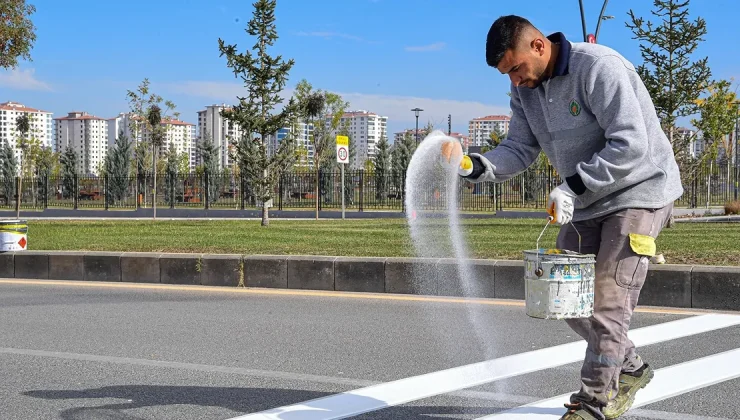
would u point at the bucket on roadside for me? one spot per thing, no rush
(559, 284)
(13, 235)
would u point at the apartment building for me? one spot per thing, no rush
(222, 132)
(480, 129)
(366, 129)
(302, 134)
(87, 135)
(40, 121)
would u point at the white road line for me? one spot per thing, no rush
(398, 392)
(668, 382)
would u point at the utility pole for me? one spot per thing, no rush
(449, 124)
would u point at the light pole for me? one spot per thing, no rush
(602, 17)
(416, 112)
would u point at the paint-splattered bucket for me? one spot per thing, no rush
(559, 284)
(13, 235)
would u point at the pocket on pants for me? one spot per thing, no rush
(632, 268)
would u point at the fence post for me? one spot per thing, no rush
(318, 190)
(362, 189)
(242, 195)
(105, 187)
(280, 191)
(75, 187)
(172, 190)
(207, 189)
(46, 192)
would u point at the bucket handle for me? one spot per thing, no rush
(539, 272)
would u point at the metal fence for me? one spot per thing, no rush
(711, 186)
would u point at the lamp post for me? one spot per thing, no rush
(602, 17)
(416, 112)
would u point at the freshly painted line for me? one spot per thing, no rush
(390, 394)
(316, 293)
(668, 382)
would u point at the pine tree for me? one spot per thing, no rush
(118, 163)
(170, 176)
(264, 78)
(8, 171)
(209, 161)
(382, 169)
(673, 80)
(69, 172)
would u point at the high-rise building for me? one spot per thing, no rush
(301, 133)
(40, 122)
(177, 133)
(87, 135)
(480, 129)
(222, 132)
(366, 129)
(121, 124)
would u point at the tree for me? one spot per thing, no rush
(8, 171)
(382, 166)
(402, 153)
(324, 110)
(17, 32)
(209, 164)
(718, 111)
(147, 116)
(673, 80)
(118, 167)
(171, 171)
(493, 140)
(47, 162)
(264, 77)
(69, 172)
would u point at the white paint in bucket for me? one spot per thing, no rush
(13, 235)
(559, 284)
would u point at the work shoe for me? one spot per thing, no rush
(576, 411)
(629, 384)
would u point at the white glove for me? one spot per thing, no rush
(561, 203)
(452, 150)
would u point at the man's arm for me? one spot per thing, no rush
(612, 99)
(513, 155)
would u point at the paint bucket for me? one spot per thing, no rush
(559, 284)
(13, 235)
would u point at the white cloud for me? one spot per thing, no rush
(22, 80)
(396, 108)
(431, 47)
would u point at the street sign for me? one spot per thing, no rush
(342, 149)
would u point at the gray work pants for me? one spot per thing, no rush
(620, 274)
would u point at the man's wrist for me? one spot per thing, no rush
(575, 183)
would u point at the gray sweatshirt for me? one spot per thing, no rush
(597, 124)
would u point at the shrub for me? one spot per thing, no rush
(732, 207)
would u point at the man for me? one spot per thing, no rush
(587, 109)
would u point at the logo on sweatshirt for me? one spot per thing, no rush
(575, 108)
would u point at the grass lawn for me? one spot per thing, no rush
(686, 243)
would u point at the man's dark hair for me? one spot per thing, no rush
(503, 36)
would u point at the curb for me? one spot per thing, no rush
(678, 286)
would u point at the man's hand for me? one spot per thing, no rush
(561, 203)
(474, 167)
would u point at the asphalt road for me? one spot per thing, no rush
(116, 351)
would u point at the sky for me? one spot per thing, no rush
(383, 56)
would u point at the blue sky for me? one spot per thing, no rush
(385, 56)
